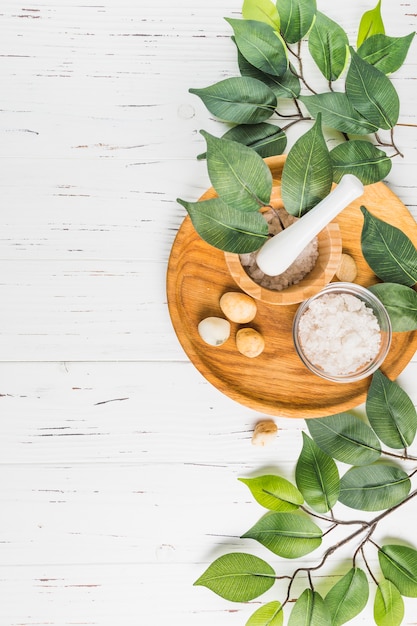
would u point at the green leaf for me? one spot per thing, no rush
(388, 605)
(329, 46)
(261, 10)
(227, 228)
(362, 159)
(371, 24)
(270, 614)
(285, 86)
(317, 477)
(240, 100)
(338, 113)
(261, 45)
(274, 493)
(309, 610)
(307, 173)
(266, 139)
(348, 597)
(374, 487)
(391, 412)
(371, 93)
(401, 304)
(346, 438)
(238, 577)
(399, 565)
(386, 53)
(297, 17)
(388, 251)
(239, 175)
(289, 535)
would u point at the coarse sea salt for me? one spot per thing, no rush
(339, 333)
(302, 265)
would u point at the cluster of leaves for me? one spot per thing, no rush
(301, 515)
(267, 38)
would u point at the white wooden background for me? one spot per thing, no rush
(119, 462)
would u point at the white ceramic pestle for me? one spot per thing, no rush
(277, 254)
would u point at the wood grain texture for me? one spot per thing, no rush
(118, 459)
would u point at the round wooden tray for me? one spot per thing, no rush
(276, 382)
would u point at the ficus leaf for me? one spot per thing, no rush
(391, 412)
(371, 93)
(401, 304)
(348, 597)
(227, 228)
(262, 10)
(289, 535)
(261, 45)
(374, 487)
(371, 24)
(285, 86)
(274, 493)
(388, 251)
(309, 610)
(240, 100)
(386, 53)
(362, 159)
(329, 46)
(399, 565)
(270, 614)
(238, 577)
(266, 139)
(307, 174)
(346, 438)
(337, 112)
(297, 17)
(317, 477)
(388, 605)
(238, 174)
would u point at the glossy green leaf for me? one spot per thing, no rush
(346, 438)
(401, 304)
(388, 605)
(289, 535)
(386, 53)
(266, 139)
(348, 597)
(274, 492)
(307, 174)
(362, 159)
(270, 614)
(261, 10)
(240, 100)
(329, 46)
(227, 228)
(297, 17)
(337, 112)
(238, 577)
(371, 24)
(374, 487)
(261, 45)
(285, 86)
(399, 565)
(309, 610)
(388, 251)
(317, 477)
(371, 93)
(239, 175)
(391, 412)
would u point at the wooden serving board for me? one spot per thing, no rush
(276, 382)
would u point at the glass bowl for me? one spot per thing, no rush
(343, 333)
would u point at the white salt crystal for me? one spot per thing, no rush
(339, 333)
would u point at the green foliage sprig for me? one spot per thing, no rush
(302, 517)
(271, 53)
